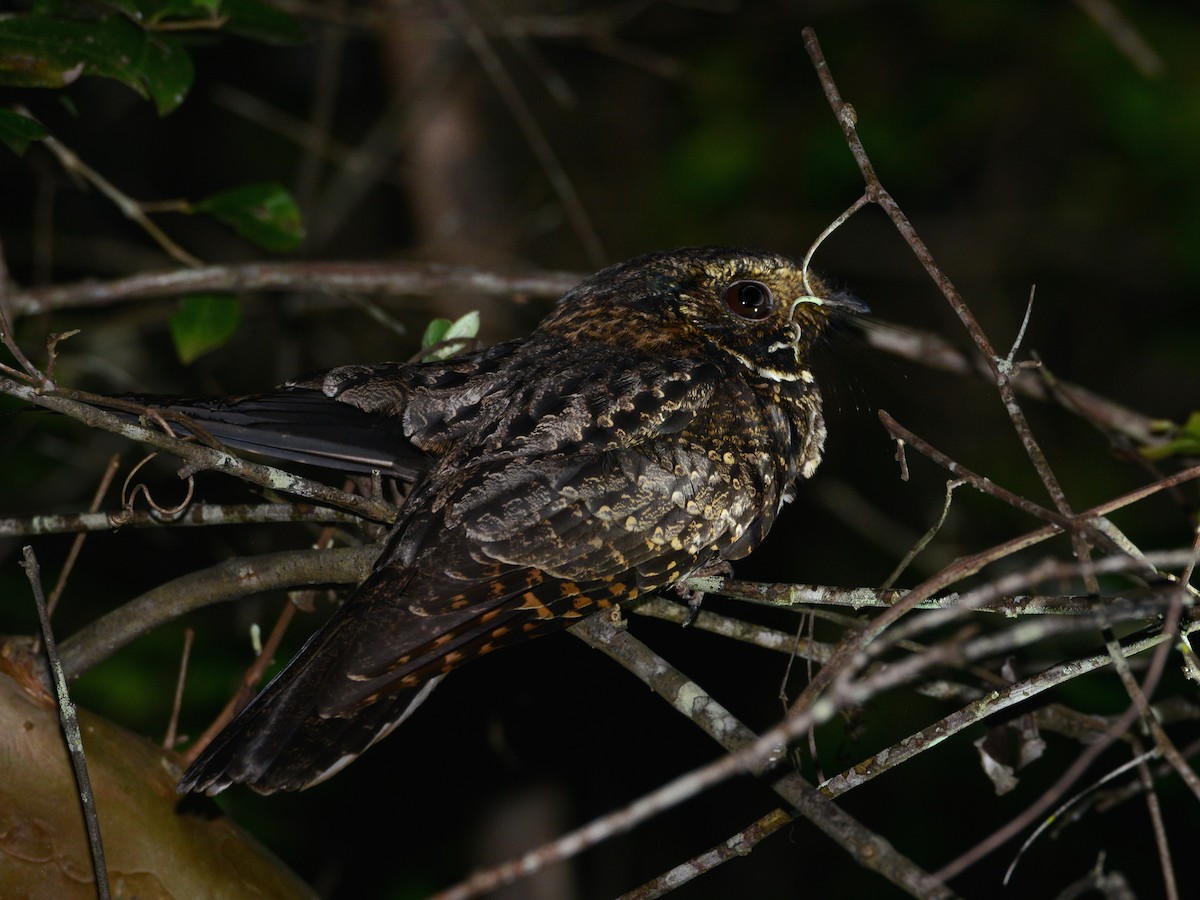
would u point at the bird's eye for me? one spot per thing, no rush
(749, 299)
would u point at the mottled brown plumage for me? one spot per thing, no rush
(653, 425)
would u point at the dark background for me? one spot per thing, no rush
(1020, 141)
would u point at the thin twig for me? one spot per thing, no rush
(750, 757)
(29, 372)
(231, 579)
(130, 208)
(986, 706)
(1079, 767)
(928, 536)
(1034, 811)
(749, 632)
(974, 712)
(736, 847)
(257, 670)
(251, 679)
(1154, 808)
(110, 472)
(935, 352)
(867, 848)
(70, 726)
(1010, 364)
(1058, 813)
(478, 41)
(169, 738)
(1096, 527)
(1125, 37)
(847, 118)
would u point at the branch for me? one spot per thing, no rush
(869, 849)
(70, 726)
(229, 580)
(935, 352)
(195, 515)
(199, 456)
(393, 279)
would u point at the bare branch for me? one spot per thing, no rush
(199, 456)
(867, 848)
(229, 580)
(392, 279)
(196, 515)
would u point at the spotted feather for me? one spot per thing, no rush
(651, 427)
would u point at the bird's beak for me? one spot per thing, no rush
(842, 302)
(846, 303)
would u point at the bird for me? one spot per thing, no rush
(649, 428)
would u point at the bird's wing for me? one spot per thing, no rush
(658, 487)
(501, 549)
(296, 425)
(351, 418)
(513, 549)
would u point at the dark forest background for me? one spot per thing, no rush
(1027, 147)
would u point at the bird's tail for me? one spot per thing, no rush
(368, 669)
(314, 717)
(293, 424)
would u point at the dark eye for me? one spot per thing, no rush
(749, 299)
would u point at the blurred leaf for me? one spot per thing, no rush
(261, 21)
(203, 323)
(51, 52)
(466, 326)
(18, 131)
(131, 8)
(201, 12)
(441, 332)
(263, 213)
(157, 10)
(190, 8)
(254, 19)
(1184, 441)
(435, 332)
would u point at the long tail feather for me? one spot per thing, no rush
(297, 425)
(369, 668)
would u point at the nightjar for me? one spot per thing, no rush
(650, 427)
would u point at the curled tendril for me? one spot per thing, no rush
(129, 495)
(833, 226)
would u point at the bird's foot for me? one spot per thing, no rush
(693, 596)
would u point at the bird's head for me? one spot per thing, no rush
(755, 309)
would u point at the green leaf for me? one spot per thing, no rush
(435, 331)
(191, 9)
(449, 337)
(465, 327)
(17, 132)
(203, 323)
(263, 213)
(49, 52)
(181, 10)
(261, 21)
(254, 19)
(1184, 440)
(135, 9)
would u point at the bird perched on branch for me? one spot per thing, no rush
(650, 427)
